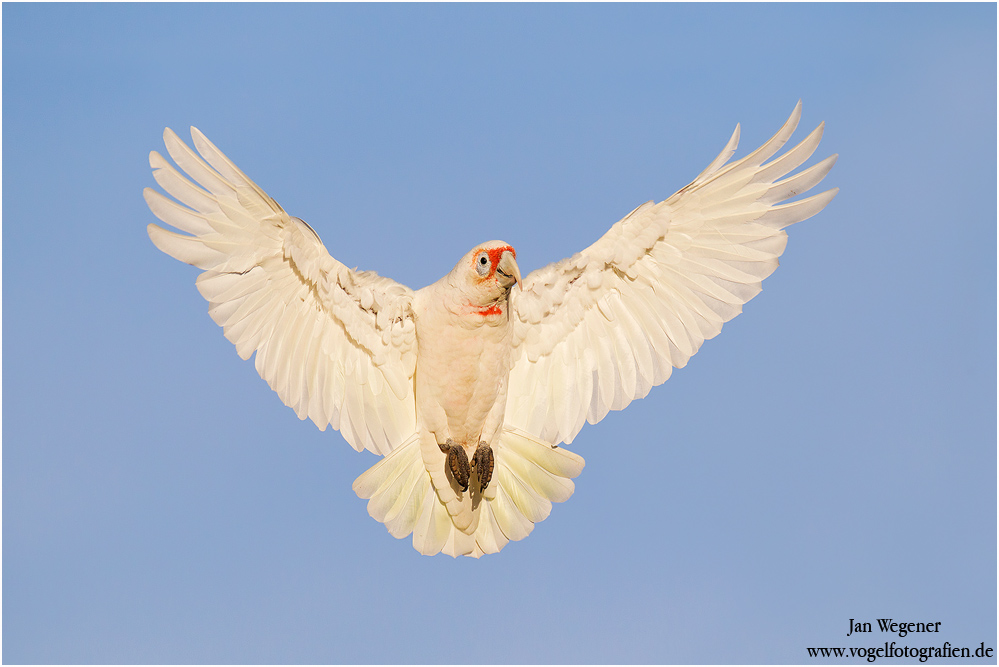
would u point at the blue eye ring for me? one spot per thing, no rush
(482, 264)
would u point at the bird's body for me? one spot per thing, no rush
(468, 386)
(464, 337)
(461, 385)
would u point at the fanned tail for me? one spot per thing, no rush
(529, 476)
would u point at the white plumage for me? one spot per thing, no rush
(467, 386)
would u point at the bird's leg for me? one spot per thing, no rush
(457, 462)
(482, 462)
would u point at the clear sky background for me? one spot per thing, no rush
(831, 455)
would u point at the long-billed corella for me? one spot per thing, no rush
(467, 386)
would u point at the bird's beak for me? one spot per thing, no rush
(507, 270)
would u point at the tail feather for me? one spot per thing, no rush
(510, 520)
(531, 504)
(529, 476)
(432, 530)
(404, 514)
(459, 543)
(377, 477)
(489, 539)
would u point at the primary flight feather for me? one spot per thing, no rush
(467, 386)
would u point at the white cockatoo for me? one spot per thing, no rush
(467, 387)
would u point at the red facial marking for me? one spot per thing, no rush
(494, 256)
(496, 253)
(491, 310)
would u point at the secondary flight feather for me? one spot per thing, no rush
(467, 386)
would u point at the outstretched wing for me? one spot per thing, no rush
(600, 329)
(337, 345)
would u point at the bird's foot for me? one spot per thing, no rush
(482, 462)
(457, 462)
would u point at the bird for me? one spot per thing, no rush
(469, 388)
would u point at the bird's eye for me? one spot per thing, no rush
(482, 264)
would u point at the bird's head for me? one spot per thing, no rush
(487, 272)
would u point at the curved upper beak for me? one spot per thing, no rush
(507, 271)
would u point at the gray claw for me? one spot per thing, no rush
(457, 463)
(483, 463)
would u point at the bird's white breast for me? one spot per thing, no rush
(462, 366)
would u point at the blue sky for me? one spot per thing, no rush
(831, 455)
